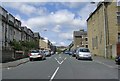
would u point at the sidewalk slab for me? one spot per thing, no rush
(15, 63)
(110, 62)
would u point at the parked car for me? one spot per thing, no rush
(52, 53)
(83, 53)
(67, 52)
(74, 53)
(36, 54)
(47, 53)
(70, 52)
(117, 60)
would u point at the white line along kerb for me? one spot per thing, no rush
(54, 74)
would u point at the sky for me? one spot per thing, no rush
(55, 21)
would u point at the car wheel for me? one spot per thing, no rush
(91, 59)
(45, 58)
(76, 57)
(31, 59)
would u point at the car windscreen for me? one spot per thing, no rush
(84, 50)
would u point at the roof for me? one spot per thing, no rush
(36, 34)
(98, 6)
(79, 33)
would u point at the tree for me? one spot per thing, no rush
(16, 45)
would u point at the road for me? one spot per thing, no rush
(62, 66)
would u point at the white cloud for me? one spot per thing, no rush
(62, 17)
(62, 44)
(66, 36)
(53, 42)
(26, 8)
(85, 11)
(51, 0)
(38, 21)
(57, 28)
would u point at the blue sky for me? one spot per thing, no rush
(60, 19)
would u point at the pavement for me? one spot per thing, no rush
(108, 62)
(15, 63)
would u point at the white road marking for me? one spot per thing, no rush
(8, 68)
(54, 74)
(57, 61)
(61, 61)
(104, 64)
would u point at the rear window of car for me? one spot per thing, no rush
(34, 51)
(84, 50)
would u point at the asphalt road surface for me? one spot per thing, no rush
(62, 66)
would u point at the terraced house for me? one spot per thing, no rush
(11, 31)
(104, 29)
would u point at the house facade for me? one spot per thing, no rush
(104, 29)
(11, 30)
(80, 39)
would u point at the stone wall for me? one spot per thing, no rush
(7, 55)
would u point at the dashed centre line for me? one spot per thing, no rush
(54, 74)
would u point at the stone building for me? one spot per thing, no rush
(80, 39)
(104, 29)
(37, 37)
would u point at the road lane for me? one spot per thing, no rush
(32, 70)
(80, 69)
(67, 68)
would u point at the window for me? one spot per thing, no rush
(96, 42)
(118, 13)
(118, 20)
(86, 39)
(86, 46)
(118, 37)
(93, 43)
(118, 2)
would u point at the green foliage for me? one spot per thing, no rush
(16, 45)
(23, 45)
(58, 50)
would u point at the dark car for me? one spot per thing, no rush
(74, 53)
(67, 52)
(117, 60)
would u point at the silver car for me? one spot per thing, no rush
(47, 53)
(83, 53)
(36, 54)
